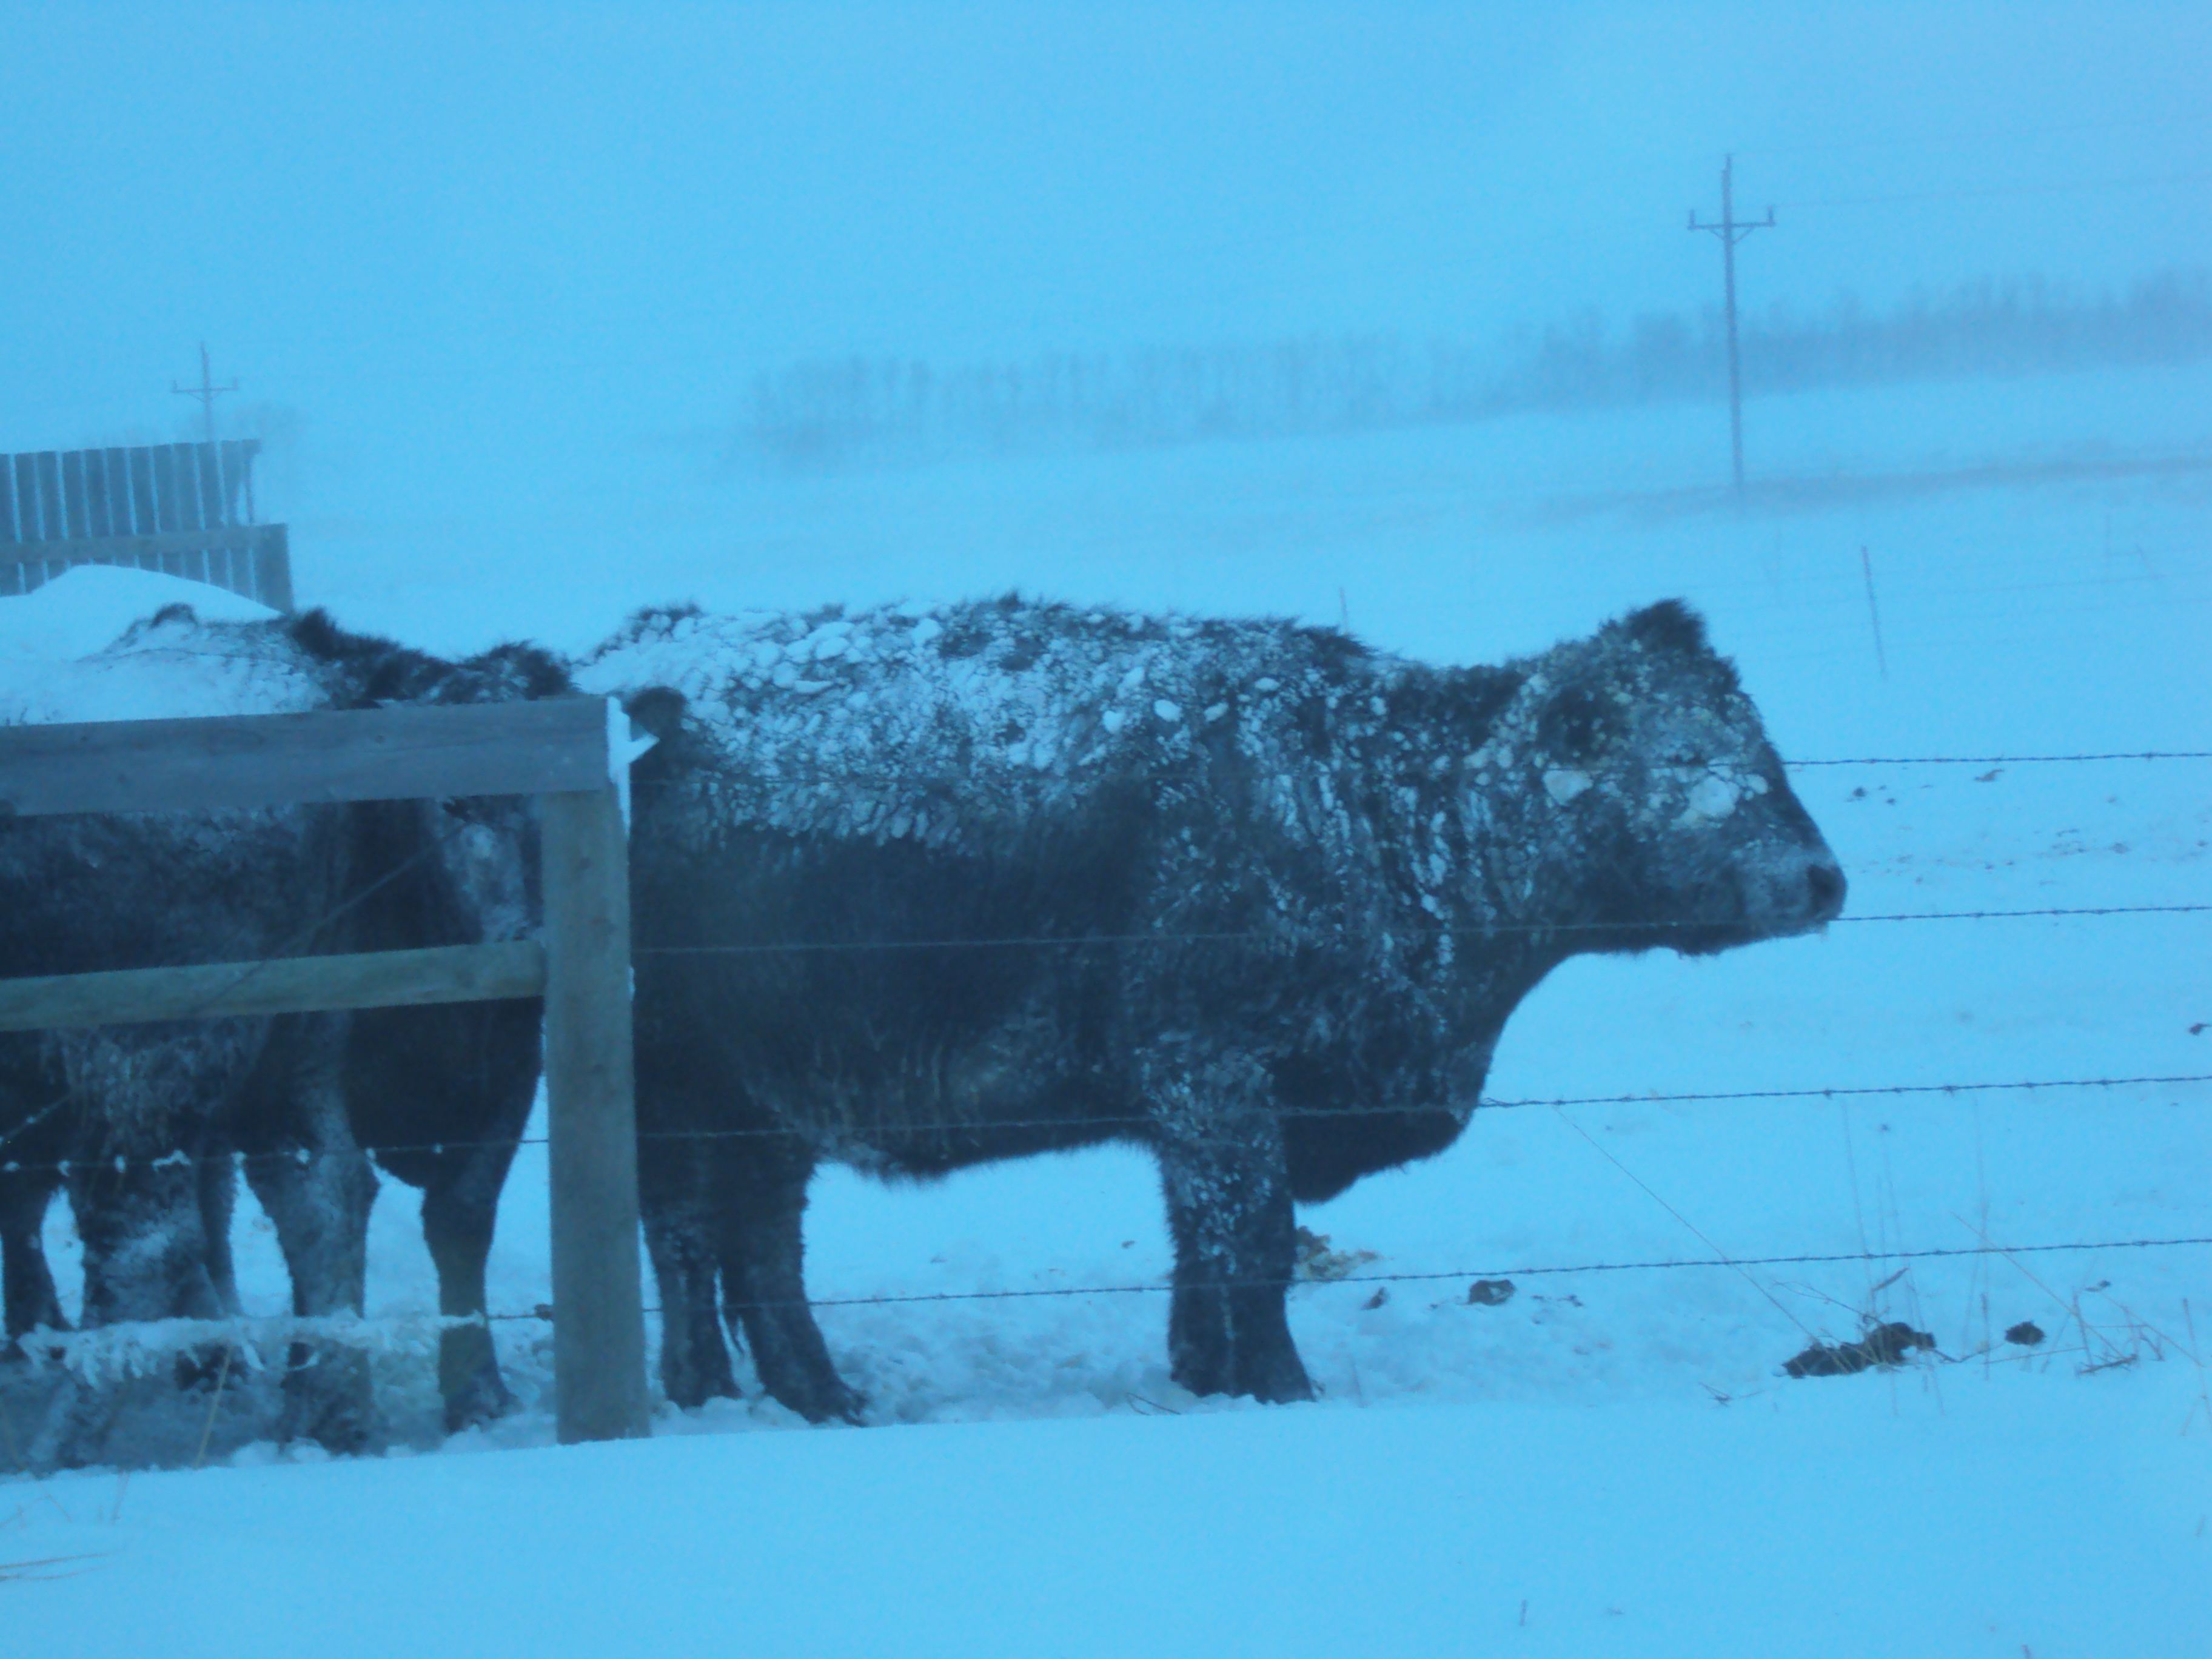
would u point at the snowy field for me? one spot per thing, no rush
(1609, 1460)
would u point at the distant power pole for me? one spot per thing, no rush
(1732, 230)
(207, 390)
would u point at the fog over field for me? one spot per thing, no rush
(1383, 317)
(502, 285)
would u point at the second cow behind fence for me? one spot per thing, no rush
(916, 890)
(149, 1115)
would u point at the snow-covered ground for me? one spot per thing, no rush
(1610, 1461)
(2024, 1514)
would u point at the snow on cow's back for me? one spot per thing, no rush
(886, 702)
(171, 666)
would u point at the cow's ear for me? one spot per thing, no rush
(318, 634)
(659, 709)
(1669, 625)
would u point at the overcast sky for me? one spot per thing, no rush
(556, 240)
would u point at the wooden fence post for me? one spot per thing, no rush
(599, 1315)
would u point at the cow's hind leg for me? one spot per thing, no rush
(35, 1131)
(1223, 1174)
(316, 1184)
(218, 1187)
(460, 1206)
(26, 1279)
(760, 1206)
(679, 1236)
(441, 1095)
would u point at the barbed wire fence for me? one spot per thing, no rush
(1134, 1121)
(136, 1349)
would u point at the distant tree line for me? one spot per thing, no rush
(865, 411)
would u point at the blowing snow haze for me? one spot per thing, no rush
(522, 270)
(1265, 322)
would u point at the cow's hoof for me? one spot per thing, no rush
(342, 1430)
(331, 1405)
(690, 1385)
(1278, 1380)
(483, 1398)
(837, 1401)
(1280, 1385)
(469, 1380)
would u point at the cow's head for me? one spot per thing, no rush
(486, 858)
(1658, 801)
(458, 871)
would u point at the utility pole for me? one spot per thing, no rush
(1732, 230)
(207, 390)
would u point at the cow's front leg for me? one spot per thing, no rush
(1224, 1171)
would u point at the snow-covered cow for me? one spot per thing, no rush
(149, 1115)
(917, 889)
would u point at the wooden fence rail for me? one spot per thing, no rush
(563, 750)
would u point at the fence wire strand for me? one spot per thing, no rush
(1013, 778)
(1138, 1120)
(1097, 941)
(1731, 1263)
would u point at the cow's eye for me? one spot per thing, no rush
(1576, 725)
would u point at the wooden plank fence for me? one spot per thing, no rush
(562, 750)
(185, 509)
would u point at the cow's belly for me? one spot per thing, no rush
(924, 1100)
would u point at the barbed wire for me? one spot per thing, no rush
(360, 1330)
(1137, 1120)
(1091, 941)
(1805, 1259)
(1011, 776)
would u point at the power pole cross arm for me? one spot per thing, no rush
(207, 392)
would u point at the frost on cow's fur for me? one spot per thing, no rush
(918, 888)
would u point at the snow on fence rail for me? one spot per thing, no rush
(564, 751)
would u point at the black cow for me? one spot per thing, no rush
(915, 890)
(150, 1115)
